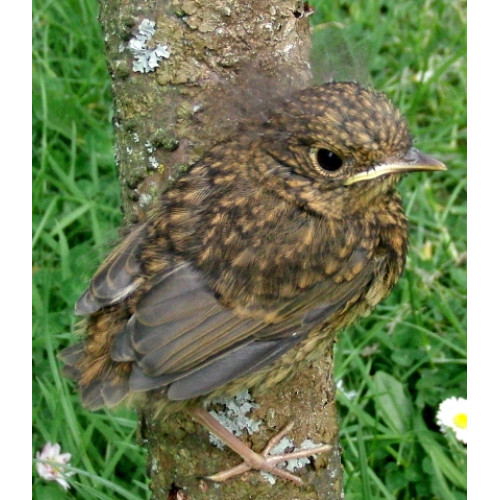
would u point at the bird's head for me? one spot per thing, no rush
(340, 140)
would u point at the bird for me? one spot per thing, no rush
(276, 239)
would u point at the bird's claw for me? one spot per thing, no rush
(268, 463)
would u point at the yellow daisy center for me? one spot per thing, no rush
(460, 420)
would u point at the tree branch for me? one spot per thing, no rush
(184, 73)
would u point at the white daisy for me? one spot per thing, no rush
(51, 464)
(452, 414)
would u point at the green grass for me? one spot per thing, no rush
(411, 353)
(401, 361)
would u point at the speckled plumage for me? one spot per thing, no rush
(249, 265)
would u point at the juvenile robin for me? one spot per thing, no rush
(274, 241)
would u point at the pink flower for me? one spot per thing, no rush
(51, 464)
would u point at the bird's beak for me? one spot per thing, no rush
(413, 161)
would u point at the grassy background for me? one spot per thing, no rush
(395, 367)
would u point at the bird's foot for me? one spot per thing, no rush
(263, 461)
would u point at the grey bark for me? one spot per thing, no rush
(216, 61)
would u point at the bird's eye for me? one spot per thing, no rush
(328, 161)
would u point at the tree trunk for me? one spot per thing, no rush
(184, 72)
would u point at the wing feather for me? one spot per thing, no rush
(182, 337)
(117, 277)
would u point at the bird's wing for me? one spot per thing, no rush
(182, 337)
(118, 276)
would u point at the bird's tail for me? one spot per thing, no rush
(102, 382)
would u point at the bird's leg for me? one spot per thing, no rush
(252, 460)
